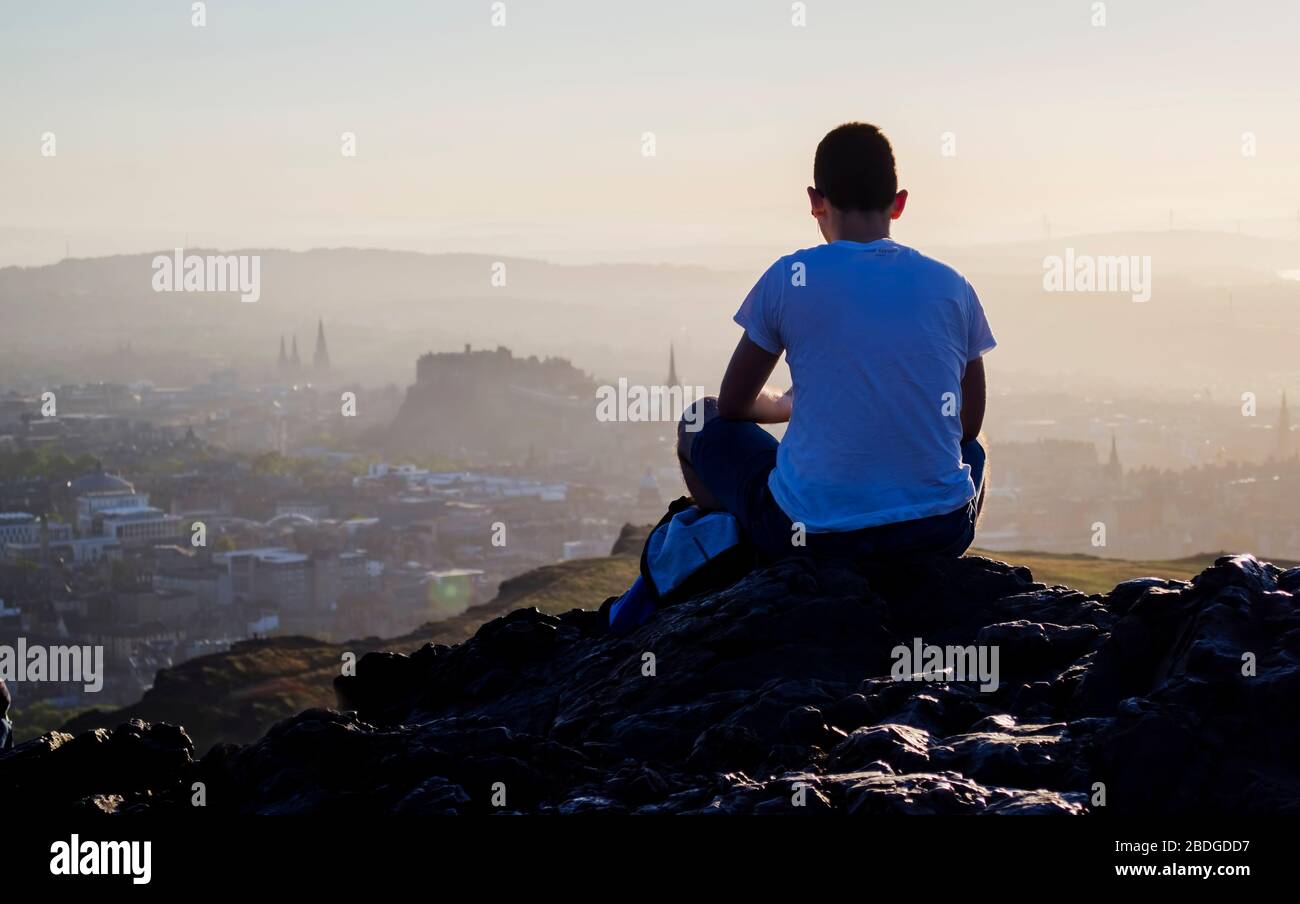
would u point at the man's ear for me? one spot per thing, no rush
(818, 202)
(900, 201)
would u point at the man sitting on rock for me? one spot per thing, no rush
(885, 349)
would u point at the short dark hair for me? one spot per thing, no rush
(854, 168)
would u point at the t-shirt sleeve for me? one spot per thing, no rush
(760, 312)
(979, 338)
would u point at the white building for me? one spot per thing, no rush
(78, 550)
(271, 574)
(100, 492)
(316, 511)
(382, 471)
(139, 526)
(472, 484)
(22, 527)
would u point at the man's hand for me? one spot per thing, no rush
(772, 406)
(743, 396)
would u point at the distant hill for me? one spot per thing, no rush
(382, 309)
(1220, 313)
(1194, 256)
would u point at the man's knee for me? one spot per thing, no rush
(693, 420)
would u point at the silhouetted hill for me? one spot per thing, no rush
(237, 695)
(784, 691)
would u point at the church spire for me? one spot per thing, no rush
(1114, 470)
(294, 361)
(672, 366)
(321, 359)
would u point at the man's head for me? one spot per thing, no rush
(855, 184)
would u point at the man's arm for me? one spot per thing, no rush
(974, 393)
(744, 395)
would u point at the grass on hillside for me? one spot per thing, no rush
(576, 584)
(38, 718)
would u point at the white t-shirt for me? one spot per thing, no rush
(877, 337)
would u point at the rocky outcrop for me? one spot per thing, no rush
(785, 693)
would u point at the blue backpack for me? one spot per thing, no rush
(689, 552)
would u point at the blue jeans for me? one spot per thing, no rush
(734, 459)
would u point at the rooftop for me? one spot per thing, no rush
(98, 481)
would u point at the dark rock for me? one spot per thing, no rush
(1245, 572)
(1000, 752)
(434, 797)
(945, 794)
(1030, 648)
(902, 747)
(805, 725)
(774, 696)
(57, 768)
(784, 757)
(1121, 599)
(720, 745)
(591, 806)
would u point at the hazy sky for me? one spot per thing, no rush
(527, 139)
